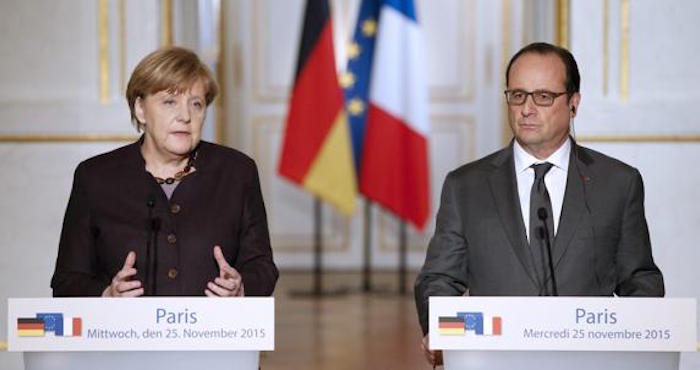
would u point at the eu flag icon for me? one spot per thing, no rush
(473, 321)
(52, 322)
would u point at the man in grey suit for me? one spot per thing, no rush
(497, 213)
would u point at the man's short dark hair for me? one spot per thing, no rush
(573, 79)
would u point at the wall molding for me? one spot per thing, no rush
(61, 138)
(639, 138)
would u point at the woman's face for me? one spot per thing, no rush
(173, 122)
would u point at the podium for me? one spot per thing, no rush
(147, 333)
(542, 333)
(569, 360)
(142, 360)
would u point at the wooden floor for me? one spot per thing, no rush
(346, 331)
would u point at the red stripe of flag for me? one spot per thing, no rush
(454, 325)
(394, 169)
(22, 326)
(497, 325)
(316, 99)
(77, 326)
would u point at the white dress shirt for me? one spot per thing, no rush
(554, 180)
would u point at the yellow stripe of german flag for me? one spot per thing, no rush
(30, 332)
(452, 331)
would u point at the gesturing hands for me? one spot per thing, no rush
(229, 283)
(122, 285)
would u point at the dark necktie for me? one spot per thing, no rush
(539, 198)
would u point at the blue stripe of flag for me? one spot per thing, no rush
(361, 67)
(406, 7)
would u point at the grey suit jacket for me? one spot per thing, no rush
(601, 247)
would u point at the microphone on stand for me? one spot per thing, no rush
(151, 247)
(542, 215)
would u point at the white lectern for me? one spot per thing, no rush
(144, 333)
(141, 360)
(536, 333)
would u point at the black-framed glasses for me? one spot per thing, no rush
(542, 98)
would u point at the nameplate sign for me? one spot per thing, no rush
(141, 324)
(563, 323)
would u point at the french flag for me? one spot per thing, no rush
(394, 169)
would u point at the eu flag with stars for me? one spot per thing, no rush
(473, 321)
(52, 322)
(356, 78)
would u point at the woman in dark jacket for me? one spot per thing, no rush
(170, 214)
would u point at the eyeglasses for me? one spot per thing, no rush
(542, 98)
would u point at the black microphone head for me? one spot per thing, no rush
(542, 213)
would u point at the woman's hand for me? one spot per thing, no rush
(122, 285)
(229, 283)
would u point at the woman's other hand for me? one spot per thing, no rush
(122, 285)
(229, 283)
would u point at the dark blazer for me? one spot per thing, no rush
(601, 247)
(108, 216)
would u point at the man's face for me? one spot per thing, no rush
(540, 130)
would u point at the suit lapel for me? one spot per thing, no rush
(505, 195)
(574, 204)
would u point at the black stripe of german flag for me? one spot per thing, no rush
(29, 321)
(315, 18)
(450, 319)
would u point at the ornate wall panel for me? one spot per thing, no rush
(67, 65)
(449, 34)
(276, 31)
(636, 84)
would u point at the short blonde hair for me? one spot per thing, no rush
(173, 69)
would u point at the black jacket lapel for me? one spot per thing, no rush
(574, 205)
(505, 195)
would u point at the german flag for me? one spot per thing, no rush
(316, 151)
(30, 327)
(448, 325)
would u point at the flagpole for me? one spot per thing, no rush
(317, 268)
(317, 289)
(366, 270)
(402, 257)
(318, 228)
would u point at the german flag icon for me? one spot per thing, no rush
(448, 325)
(30, 327)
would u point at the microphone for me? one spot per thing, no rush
(542, 215)
(151, 247)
